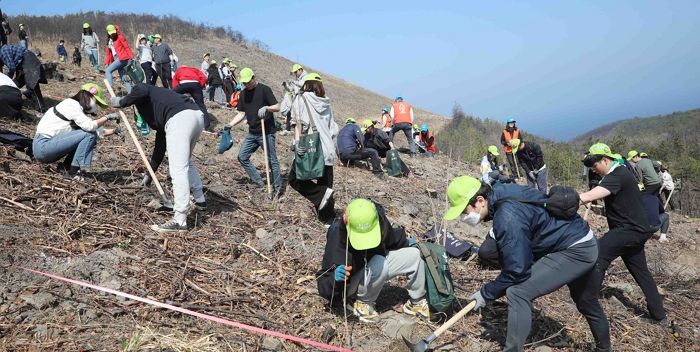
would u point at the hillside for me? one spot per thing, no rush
(190, 41)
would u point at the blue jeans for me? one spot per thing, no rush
(23, 43)
(119, 66)
(77, 145)
(92, 55)
(251, 143)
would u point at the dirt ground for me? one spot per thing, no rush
(254, 261)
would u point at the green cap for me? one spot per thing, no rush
(602, 149)
(97, 92)
(86, 25)
(493, 150)
(313, 76)
(246, 74)
(644, 155)
(349, 120)
(111, 29)
(363, 227)
(157, 36)
(460, 192)
(296, 67)
(631, 154)
(366, 123)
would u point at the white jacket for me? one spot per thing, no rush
(320, 112)
(666, 180)
(51, 125)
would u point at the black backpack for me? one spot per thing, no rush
(562, 202)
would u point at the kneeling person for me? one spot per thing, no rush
(537, 252)
(351, 147)
(377, 253)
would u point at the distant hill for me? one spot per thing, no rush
(190, 40)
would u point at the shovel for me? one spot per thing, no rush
(166, 204)
(422, 345)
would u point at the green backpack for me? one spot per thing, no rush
(135, 72)
(438, 280)
(393, 163)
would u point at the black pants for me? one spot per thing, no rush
(381, 150)
(165, 74)
(630, 246)
(150, 73)
(10, 102)
(288, 124)
(212, 91)
(313, 190)
(195, 91)
(664, 198)
(362, 154)
(228, 89)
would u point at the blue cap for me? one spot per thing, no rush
(510, 119)
(424, 127)
(398, 97)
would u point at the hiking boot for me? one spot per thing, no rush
(170, 226)
(326, 197)
(418, 308)
(201, 206)
(365, 312)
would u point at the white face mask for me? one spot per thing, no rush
(93, 107)
(472, 219)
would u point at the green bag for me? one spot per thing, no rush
(441, 293)
(393, 163)
(135, 72)
(311, 165)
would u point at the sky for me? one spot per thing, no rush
(560, 68)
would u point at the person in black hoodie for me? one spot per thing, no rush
(376, 253)
(538, 253)
(531, 159)
(214, 80)
(178, 122)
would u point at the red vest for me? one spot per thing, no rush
(402, 112)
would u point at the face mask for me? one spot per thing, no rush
(93, 107)
(472, 219)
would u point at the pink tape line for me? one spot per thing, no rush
(254, 329)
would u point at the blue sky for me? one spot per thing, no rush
(559, 67)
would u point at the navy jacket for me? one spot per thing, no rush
(524, 233)
(349, 139)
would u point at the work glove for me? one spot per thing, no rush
(118, 131)
(146, 181)
(480, 301)
(115, 102)
(411, 241)
(262, 112)
(342, 272)
(112, 117)
(300, 150)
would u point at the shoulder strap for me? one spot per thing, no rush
(62, 117)
(308, 108)
(432, 265)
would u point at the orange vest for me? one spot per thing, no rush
(430, 148)
(402, 112)
(508, 137)
(387, 120)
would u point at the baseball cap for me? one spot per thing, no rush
(313, 76)
(493, 150)
(631, 154)
(97, 92)
(86, 25)
(246, 74)
(460, 191)
(296, 67)
(602, 149)
(349, 120)
(366, 123)
(111, 29)
(424, 127)
(363, 227)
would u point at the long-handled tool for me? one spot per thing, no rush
(267, 166)
(668, 199)
(166, 202)
(422, 345)
(515, 158)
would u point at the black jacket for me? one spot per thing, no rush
(530, 157)
(393, 238)
(213, 78)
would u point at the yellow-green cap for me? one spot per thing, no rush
(363, 227)
(213, 62)
(493, 150)
(86, 25)
(111, 29)
(366, 123)
(232, 65)
(157, 36)
(349, 120)
(313, 76)
(296, 67)
(246, 74)
(602, 149)
(631, 154)
(644, 155)
(460, 192)
(97, 92)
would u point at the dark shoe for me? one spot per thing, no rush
(201, 206)
(170, 226)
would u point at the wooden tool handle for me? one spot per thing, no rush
(454, 319)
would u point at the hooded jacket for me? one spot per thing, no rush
(189, 74)
(315, 112)
(214, 79)
(350, 138)
(530, 157)
(121, 46)
(393, 238)
(524, 233)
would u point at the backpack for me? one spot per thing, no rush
(438, 280)
(135, 72)
(562, 202)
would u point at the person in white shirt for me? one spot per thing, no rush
(10, 98)
(67, 131)
(667, 186)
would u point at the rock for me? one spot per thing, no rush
(210, 161)
(261, 233)
(39, 300)
(396, 325)
(411, 209)
(69, 76)
(271, 344)
(154, 204)
(380, 194)
(543, 349)
(266, 241)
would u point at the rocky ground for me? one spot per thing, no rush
(254, 261)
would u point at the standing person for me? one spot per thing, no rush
(510, 133)
(88, 43)
(117, 55)
(311, 113)
(178, 124)
(531, 160)
(190, 80)
(650, 179)
(67, 131)
(62, 52)
(145, 56)
(204, 67)
(215, 82)
(256, 105)
(402, 116)
(10, 98)
(299, 74)
(386, 120)
(538, 252)
(23, 37)
(667, 186)
(629, 231)
(351, 147)
(162, 58)
(228, 80)
(427, 141)
(376, 252)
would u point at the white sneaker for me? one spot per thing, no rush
(663, 238)
(326, 197)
